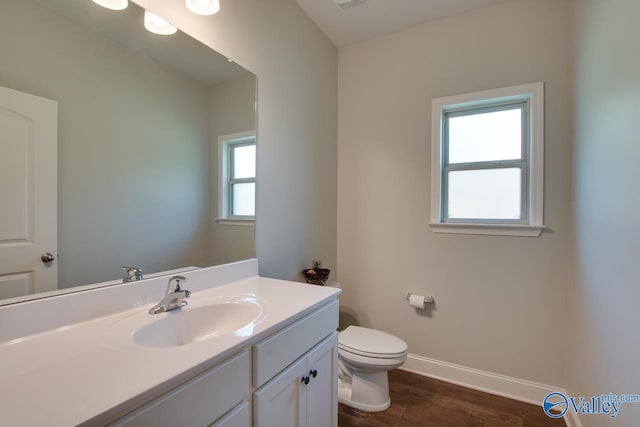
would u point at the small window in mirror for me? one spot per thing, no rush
(237, 177)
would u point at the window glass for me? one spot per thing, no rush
(244, 161)
(244, 199)
(485, 194)
(487, 136)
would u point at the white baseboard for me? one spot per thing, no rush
(489, 382)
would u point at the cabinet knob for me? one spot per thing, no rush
(305, 380)
(313, 372)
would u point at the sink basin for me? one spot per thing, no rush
(195, 324)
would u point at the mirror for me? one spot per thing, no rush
(139, 121)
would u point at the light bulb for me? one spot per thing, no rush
(203, 7)
(113, 4)
(157, 25)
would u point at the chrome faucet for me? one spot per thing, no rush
(132, 274)
(174, 297)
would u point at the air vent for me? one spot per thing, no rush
(347, 4)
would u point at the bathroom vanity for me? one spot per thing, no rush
(247, 350)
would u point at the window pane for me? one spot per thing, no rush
(244, 199)
(484, 137)
(244, 161)
(485, 194)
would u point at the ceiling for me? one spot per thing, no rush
(377, 17)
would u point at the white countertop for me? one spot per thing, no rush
(89, 371)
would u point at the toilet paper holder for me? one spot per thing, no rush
(427, 299)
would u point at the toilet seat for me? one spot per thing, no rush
(371, 343)
(372, 355)
(370, 364)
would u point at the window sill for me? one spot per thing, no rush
(489, 229)
(236, 221)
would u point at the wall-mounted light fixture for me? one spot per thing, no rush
(203, 7)
(159, 25)
(113, 4)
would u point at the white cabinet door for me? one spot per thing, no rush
(28, 193)
(304, 394)
(282, 401)
(322, 391)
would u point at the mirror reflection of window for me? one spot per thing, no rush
(237, 186)
(243, 179)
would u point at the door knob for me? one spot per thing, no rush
(48, 257)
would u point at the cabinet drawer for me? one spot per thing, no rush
(198, 402)
(278, 351)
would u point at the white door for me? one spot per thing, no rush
(28, 193)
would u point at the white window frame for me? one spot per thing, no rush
(225, 142)
(531, 225)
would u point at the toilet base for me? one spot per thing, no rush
(367, 391)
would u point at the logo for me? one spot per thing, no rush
(557, 402)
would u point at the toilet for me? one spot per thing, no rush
(364, 357)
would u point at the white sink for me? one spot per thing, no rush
(189, 325)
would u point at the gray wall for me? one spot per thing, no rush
(232, 111)
(296, 67)
(500, 301)
(603, 315)
(121, 120)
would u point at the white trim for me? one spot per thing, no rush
(532, 93)
(241, 222)
(501, 385)
(488, 229)
(223, 173)
(488, 382)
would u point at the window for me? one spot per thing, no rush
(237, 177)
(488, 162)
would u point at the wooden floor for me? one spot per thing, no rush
(421, 401)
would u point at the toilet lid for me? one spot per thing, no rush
(367, 341)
